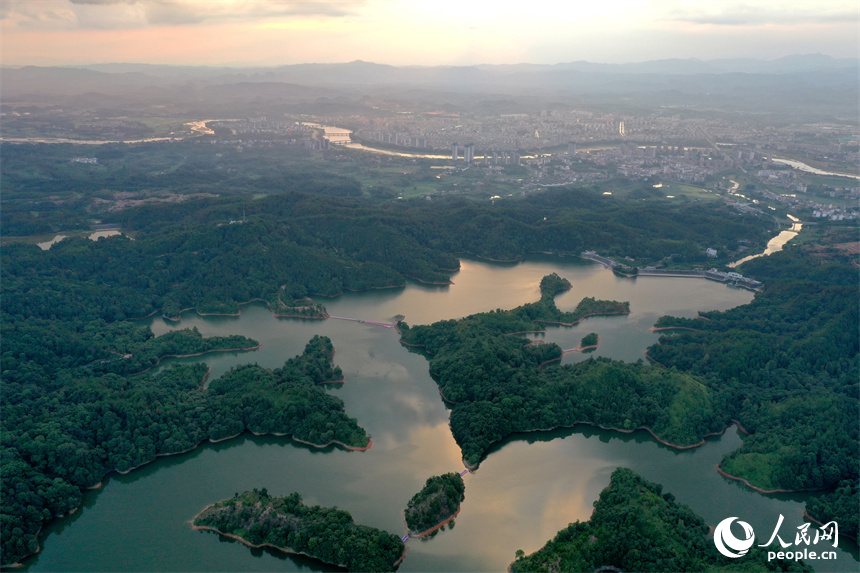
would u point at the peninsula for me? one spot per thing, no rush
(497, 386)
(637, 527)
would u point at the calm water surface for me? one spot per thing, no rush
(528, 488)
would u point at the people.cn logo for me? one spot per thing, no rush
(728, 544)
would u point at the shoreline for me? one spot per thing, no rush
(656, 438)
(238, 313)
(344, 291)
(247, 543)
(747, 483)
(471, 254)
(436, 527)
(577, 321)
(161, 358)
(287, 550)
(662, 328)
(423, 282)
(813, 520)
(581, 348)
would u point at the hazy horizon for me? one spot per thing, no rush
(257, 33)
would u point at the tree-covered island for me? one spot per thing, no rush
(589, 341)
(285, 523)
(637, 527)
(495, 384)
(438, 501)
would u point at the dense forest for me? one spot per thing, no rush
(46, 190)
(438, 500)
(65, 431)
(787, 367)
(496, 384)
(326, 533)
(74, 407)
(637, 527)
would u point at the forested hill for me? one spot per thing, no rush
(636, 527)
(787, 367)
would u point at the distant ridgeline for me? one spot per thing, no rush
(636, 527)
(285, 523)
(73, 431)
(496, 385)
(787, 367)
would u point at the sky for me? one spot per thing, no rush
(411, 32)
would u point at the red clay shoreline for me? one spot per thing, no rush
(286, 550)
(623, 431)
(436, 527)
(746, 482)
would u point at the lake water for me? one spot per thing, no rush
(528, 487)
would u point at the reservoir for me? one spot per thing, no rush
(529, 486)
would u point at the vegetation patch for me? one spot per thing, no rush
(285, 523)
(437, 501)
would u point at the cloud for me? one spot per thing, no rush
(123, 14)
(764, 13)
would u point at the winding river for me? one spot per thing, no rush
(528, 488)
(776, 244)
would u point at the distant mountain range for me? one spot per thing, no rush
(790, 84)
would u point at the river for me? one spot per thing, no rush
(775, 244)
(809, 169)
(528, 487)
(94, 236)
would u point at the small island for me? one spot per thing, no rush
(588, 342)
(435, 505)
(298, 308)
(285, 523)
(552, 285)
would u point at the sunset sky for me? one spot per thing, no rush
(401, 32)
